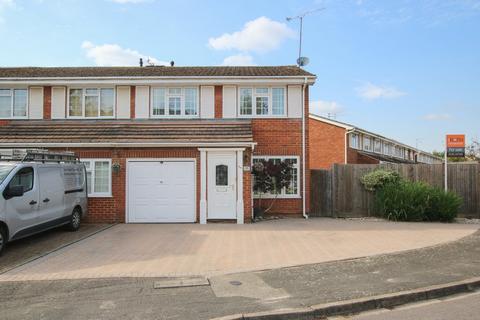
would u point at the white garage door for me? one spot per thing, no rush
(161, 191)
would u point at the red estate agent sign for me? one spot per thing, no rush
(456, 145)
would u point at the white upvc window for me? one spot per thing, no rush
(292, 191)
(13, 103)
(174, 102)
(99, 177)
(354, 141)
(367, 143)
(262, 101)
(377, 146)
(91, 102)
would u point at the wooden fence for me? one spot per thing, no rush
(338, 192)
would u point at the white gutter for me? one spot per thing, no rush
(304, 200)
(348, 131)
(124, 144)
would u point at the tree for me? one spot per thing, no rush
(270, 177)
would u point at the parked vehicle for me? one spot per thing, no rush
(41, 191)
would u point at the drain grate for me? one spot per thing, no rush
(235, 283)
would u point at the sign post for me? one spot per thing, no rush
(454, 147)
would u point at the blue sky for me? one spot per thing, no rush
(407, 69)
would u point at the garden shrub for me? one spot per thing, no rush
(416, 201)
(377, 179)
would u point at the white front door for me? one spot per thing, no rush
(222, 185)
(161, 191)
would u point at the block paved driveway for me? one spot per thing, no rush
(156, 250)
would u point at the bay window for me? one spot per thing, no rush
(262, 101)
(13, 103)
(99, 177)
(91, 102)
(293, 190)
(174, 102)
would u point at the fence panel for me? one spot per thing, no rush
(338, 191)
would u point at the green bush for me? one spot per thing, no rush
(377, 179)
(416, 201)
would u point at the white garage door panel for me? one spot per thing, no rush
(161, 191)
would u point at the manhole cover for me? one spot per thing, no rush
(235, 283)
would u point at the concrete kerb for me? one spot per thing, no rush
(353, 306)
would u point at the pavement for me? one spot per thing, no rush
(248, 292)
(462, 307)
(152, 250)
(27, 249)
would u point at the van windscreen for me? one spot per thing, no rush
(4, 171)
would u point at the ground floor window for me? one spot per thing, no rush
(291, 191)
(99, 177)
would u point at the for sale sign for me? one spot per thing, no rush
(456, 145)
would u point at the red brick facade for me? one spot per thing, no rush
(218, 102)
(327, 144)
(132, 102)
(47, 102)
(274, 137)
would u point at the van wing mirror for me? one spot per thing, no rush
(13, 191)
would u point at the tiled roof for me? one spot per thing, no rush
(157, 71)
(128, 131)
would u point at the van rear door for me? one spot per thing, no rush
(52, 193)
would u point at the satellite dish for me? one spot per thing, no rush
(303, 61)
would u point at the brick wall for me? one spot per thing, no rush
(283, 137)
(327, 144)
(354, 157)
(132, 102)
(218, 102)
(47, 102)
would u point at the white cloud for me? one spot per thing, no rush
(370, 91)
(322, 107)
(4, 5)
(259, 35)
(114, 55)
(238, 60)
(437, 117)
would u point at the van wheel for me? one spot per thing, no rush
(3, 238)
(75, 218)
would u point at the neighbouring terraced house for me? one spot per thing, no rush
(165, 144)
(332, 141)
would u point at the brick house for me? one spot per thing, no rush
(333, 141)
(165, 144)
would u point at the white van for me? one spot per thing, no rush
(42, 191)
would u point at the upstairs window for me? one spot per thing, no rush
(91, 102)
(174, 102)
(377, 145)
(13, 103)
(354, 141)
(367, 143)
(262, 101)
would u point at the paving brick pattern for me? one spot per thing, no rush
(152, 250)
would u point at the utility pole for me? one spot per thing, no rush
(300, 17)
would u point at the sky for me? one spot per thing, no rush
(406, 69)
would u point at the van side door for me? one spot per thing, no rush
(52, 193)
(22, 211)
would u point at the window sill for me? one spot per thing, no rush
(268, 196)
(100, 196)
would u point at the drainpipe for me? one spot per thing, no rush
(304, 200)
(346, 143)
